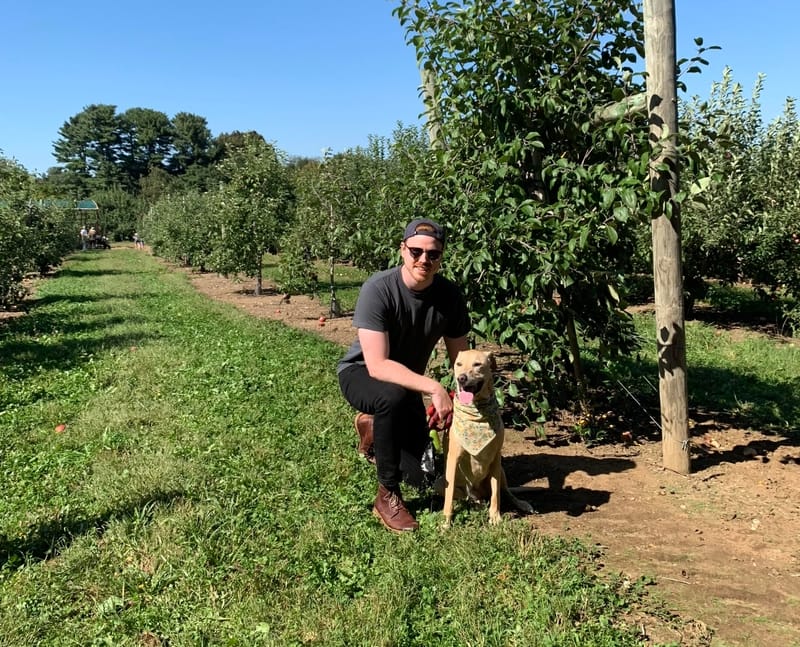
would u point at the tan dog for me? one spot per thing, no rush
(472, 464)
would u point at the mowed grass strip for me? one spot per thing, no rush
(206, 490)
(742, 377)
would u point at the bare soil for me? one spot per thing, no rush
(720, 547)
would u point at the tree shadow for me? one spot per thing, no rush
(771, 324)
(50, 538)
(24, 359)
(77, 271)
(719, 398)
(558, 497)
(755, 451)
(744, 401)
(70, 341)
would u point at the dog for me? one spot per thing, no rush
(473, 447)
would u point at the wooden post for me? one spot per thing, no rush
(662, 106)
(431, 109)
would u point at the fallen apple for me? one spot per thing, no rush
(60, 428)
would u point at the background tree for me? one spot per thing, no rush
(120, 210)
(183, 228)
(351, 206)
(60, 183)
(16, 257)
(145, 143)
(34, 236)
(157, 184)
(89, 146)
(743, 226)
(192, 143)
(253, 206)
(226, 144)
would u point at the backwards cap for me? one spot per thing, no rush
(424, 227)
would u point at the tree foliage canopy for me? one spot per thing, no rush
(538, 196)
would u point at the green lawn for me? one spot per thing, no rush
(206, 491)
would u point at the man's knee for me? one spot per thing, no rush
(391, 399)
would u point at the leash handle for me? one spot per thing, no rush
(437, 443)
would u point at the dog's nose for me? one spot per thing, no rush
(462, 379)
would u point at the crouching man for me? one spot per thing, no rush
(400, 315)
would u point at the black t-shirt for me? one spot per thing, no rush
(415, 321)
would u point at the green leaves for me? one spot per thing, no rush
(34, 236)
(542, 199)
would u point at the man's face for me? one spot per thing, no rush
(416, 261)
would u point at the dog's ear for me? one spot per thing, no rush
(492, 362)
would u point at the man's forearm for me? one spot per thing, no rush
(396, 373)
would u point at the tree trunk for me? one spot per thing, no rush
(334, 310)
(577, 364)
(662, 103)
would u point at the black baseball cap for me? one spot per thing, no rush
(424, 227)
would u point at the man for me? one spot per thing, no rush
(84, 237)
(400, 315)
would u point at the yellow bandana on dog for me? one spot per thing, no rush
(475, 427)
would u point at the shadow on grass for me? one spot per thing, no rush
(30, 357)
(76, 343)
(730, 399)
(33, 303)
(49, 538)
(24, 351)
(772, 324)
(77, 271)
(745, 401)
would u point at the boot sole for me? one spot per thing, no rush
(397, 531)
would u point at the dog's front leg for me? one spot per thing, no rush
(453, 453)
(494, 503)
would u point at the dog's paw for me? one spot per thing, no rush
(495, 517)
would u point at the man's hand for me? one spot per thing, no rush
(435, 418)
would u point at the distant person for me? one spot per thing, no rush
(84, 237)
(138, 241)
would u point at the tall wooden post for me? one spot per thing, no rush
(431, 109)
(662, 106)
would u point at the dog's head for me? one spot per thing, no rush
(474, 373)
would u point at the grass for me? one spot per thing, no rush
(206, 491)
(738, 376)
(745, 379)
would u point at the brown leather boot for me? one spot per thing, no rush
(391, 510)
(363, 425)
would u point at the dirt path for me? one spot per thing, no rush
(722, 546)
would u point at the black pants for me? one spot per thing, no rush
(399, 426)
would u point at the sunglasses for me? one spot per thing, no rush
(432, 255)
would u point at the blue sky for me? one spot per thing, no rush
(306, 74)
